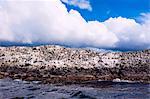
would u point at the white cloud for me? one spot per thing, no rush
(82, 4)
(48, 21)
(130, 33)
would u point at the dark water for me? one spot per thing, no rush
(16, 89)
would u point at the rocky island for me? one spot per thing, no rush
(57, 64)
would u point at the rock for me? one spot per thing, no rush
(56, 64)
(116, 80)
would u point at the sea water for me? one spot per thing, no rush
(17, 89)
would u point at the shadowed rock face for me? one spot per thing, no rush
(56, 64)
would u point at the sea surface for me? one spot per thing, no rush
(17, 89)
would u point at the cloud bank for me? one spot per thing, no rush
(48, 21)
(82, 4)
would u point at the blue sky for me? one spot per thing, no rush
(104, 9)
(104, 24)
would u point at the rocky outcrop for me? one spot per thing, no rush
(56, 64)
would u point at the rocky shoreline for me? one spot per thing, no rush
(57, 64)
